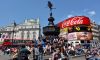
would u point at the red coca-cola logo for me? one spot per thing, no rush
(75, 21)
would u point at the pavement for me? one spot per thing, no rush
(82, 57)
(78, 57)
(7, 57)
(4, 57)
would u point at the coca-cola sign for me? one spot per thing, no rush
(77, 20)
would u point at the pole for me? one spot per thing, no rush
(14, 25)
(12, 36)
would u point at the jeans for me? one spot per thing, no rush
(41, 57)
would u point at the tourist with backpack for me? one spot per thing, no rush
(23, 53)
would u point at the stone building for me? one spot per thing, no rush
(28, 30)
(96, 34)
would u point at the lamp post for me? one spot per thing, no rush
(14, 25)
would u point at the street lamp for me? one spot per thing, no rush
(14, 25)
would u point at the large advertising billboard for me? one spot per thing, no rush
(84, 36)
(79, 36)
(76, 28)
(77, 20)
(79, 28)
(71, 36)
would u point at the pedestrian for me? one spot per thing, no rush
(33, 51)
(14, 54)
(56, 55)
(88, 54)
(23, 53)
(63, 54)
(36, 50)
(47, 50)
(41, 51)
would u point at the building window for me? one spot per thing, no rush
(28, 35)
(22, 34)
(34, 35)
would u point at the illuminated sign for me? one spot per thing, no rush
(84, 36)
(79, 29)
(64, 30)
(72, 36)
(77, 20)
(80, 36)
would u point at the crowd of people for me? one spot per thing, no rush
(93, 53)
(58, 49)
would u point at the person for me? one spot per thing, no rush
(41, 51)
(63, 54)
(15, 54)
(47, 50)
(88, 54)
(56, 55)
(23, 53)
(71, 50)
(8, 51)
(4, 50)
(32, 52)
(36, 52)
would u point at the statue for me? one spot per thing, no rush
(50, 5)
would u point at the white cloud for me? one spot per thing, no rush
(85, 10)
(70, 15)
(91, 13)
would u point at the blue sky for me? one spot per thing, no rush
(19, 10)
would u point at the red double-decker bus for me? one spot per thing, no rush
(16, 42)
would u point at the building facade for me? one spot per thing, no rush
(28, 30)
(99, 33)
(96, 34)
